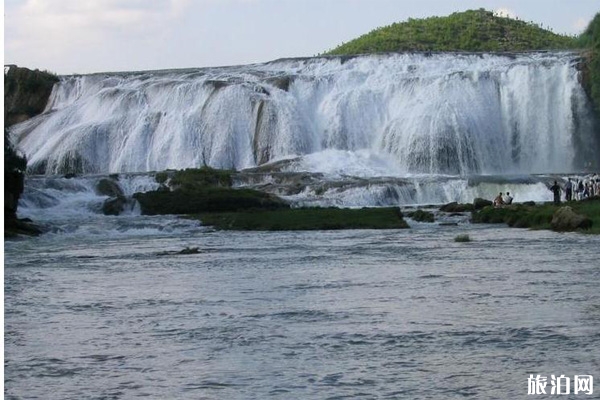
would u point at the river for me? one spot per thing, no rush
(94, 312)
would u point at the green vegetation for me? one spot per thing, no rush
(307, 219)
(462, 238)
(473, 30)
(421, 216)
(198, 177)
(590, 39)
(206, 194)
(206, 199)
(538, 216)
(198, 190)
(517, 216)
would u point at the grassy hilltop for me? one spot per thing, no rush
(473, 30)
(481, 30)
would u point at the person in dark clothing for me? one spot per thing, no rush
(556, 190)
(569, 190)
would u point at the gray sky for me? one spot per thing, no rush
(82, 36)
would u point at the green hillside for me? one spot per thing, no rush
(473, 30)
(590, 40)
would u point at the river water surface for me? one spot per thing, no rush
(296, 315)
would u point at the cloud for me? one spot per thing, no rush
(41, 32)
(56, 23)
(505, 13)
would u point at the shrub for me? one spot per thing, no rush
(462, 238)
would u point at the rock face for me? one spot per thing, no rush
(14, 170)
(26, 93)
(565, 220)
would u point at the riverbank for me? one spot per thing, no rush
(583, 216)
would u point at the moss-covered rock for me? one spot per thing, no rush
(208, 199)
(421, 216)
(480, 203)
(455, 207)
(192, 178)
(307, 219)
(109, 187)
(566, 220)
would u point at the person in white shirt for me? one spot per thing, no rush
(507, 199)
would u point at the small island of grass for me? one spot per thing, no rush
(306, 219)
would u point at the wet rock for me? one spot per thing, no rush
(14, 227)
(114, 206)
(185, 251)
(281, 82)
(109, 187)
(566, 220)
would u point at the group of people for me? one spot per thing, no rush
(579, 190)
(503, 199)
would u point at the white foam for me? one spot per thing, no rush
(387, 114)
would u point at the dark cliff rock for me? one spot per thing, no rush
(14, 168)
(14, 176)
(26, 93)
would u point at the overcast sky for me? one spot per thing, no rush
(82, 36)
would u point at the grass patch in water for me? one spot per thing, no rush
(195, 200)
(421, 216)
(538, 216)
(306, 219)
(462, 238)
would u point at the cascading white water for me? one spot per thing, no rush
(429, 113)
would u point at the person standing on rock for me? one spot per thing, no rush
(556, 190)
(580, 190)
(568, 190)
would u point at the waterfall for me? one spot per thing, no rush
(456, 114)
